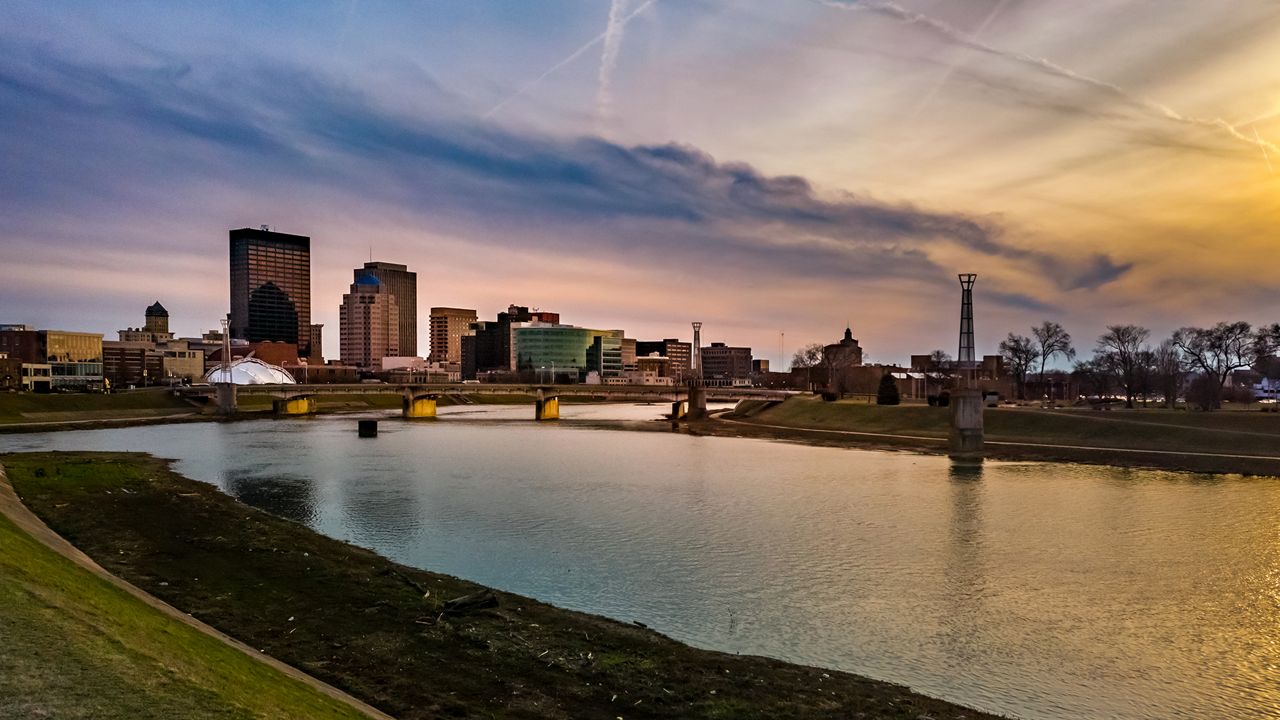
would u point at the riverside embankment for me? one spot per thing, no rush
(413, 643)
(1241, 442)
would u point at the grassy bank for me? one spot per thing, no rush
(76, 646)
(23, 408)
(1107, 434)
(399, 638)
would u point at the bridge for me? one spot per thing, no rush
(420, 400)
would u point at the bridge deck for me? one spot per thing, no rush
(605, 392)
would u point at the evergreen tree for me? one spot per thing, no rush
(887, 394)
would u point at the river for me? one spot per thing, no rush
(1042, 591)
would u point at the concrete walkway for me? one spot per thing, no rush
(12, 507)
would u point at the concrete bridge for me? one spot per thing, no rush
(420, 400)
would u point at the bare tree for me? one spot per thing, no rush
(1219, 351)
(807, 357)
(1052, 339)
(1168, 373)
(1020, 353)
(1096, 375)
(939, 368)
(1124, 342)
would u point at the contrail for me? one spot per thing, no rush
(949, 32)
(609, 61)
(572, 56)
(1265, 156)
(946, 77)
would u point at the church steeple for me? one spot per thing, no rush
(848, 333)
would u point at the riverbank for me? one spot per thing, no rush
(413, 643)
(78, 643)
(1223, 442)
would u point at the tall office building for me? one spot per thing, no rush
(403, 286)
(448, 326)
(368, 323)
(271, 287)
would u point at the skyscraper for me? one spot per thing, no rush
(448, 326)
(368, 323)
(403, 286)
(271, 287)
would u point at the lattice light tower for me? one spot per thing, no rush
(696, 360)
(965, 359)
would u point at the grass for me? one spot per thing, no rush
(57, 407)
(1235, 432)
(382, 631)
(76, 646)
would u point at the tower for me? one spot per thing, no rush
(271, 287)
(403, 286)
(368, 324)
(964, 358)
(695, 362)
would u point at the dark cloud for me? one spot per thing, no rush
(170, 127)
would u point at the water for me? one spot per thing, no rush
(1036, 590)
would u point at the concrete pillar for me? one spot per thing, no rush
(546, 408)
(679, 410)
(295, 406)
(423, 406)
(966, 425)
(697, 402)
(225, 399)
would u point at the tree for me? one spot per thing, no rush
(887, 393)
(1167, 372)
(1123, 343)
(938, 369)
(807, 357)
(1052, 339)
(1020, 353)
(1219, 351)
(1096, 375)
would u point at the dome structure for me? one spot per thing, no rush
(157, 310)
(250, 371)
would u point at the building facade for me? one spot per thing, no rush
(679, 355)
(75, 359)
(725, 364)
(554, 350)
(271, 287)
(448, 327)
(369, 324)
(403, 286)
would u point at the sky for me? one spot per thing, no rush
(776, 169)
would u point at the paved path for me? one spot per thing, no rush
(12, 507)
(1005, 443)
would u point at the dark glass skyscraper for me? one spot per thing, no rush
(271, 287)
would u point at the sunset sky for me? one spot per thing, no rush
(763, 166)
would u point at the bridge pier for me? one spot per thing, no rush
(679, 410)
(547, 407)
(225, 399)
(966, 426)
(304, 405)
(697, 403)
(419, 406)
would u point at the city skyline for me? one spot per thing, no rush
(764, 167)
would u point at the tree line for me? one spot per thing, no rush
(1195, 362)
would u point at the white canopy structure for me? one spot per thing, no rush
(250, 371)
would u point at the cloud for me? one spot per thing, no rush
(142, 140)
(1044, 66)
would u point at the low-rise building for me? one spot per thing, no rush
(75, 359)
(721, 364)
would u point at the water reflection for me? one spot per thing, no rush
(1034, 590)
